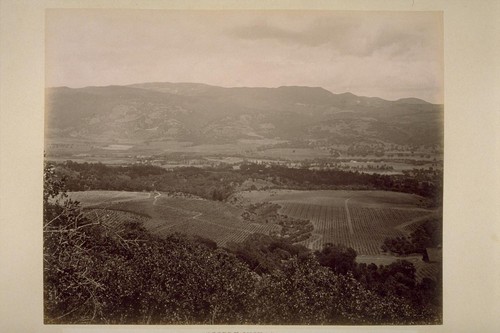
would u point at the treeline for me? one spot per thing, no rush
(213, 184)
(94, 274)
(220, 183)
(332, 179)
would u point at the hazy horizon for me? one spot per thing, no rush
(250, 87)
(391, 55)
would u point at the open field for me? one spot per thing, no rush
(90, 198)
(293, 154)
(335, 198)
(358, 219)
(164, 214)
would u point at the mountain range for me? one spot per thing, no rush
(201, 113)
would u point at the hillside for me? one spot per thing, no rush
(200, 113)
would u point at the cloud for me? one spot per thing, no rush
(357, 34)
(309, 35)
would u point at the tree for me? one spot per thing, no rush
(338, 258)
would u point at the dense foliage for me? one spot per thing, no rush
(395, 280)
(428, 234)
(95, 274)
(264, 254)
(219, 183)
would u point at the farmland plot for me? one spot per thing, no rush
(351, 218)
(113, 218)
(90, 198)
(359, 223)
(162, 214)
(215, 220)
(373, 225)
(427, 270)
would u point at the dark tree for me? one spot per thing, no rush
(338, 258)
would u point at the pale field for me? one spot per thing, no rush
(334, 198)
(294, 154)
(90, 198)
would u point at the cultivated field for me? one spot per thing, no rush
(113, 218)
(90, 198)
(163, 214)
(358, 219)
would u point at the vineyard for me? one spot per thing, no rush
(427, 270)
(351, 218)
(364, 229)
(162, 214)
(113, 218)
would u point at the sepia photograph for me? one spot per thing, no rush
(249, 166)
(243, 167)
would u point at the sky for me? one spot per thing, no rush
(390, 55)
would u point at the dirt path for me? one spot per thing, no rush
(402, 226)
(158, 194)
(349, 222)
(164, 227)
(315, 238)
(195, 217)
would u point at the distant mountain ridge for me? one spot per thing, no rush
(192, 89)
(198, 112)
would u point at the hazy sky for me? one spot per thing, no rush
(385, 54)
